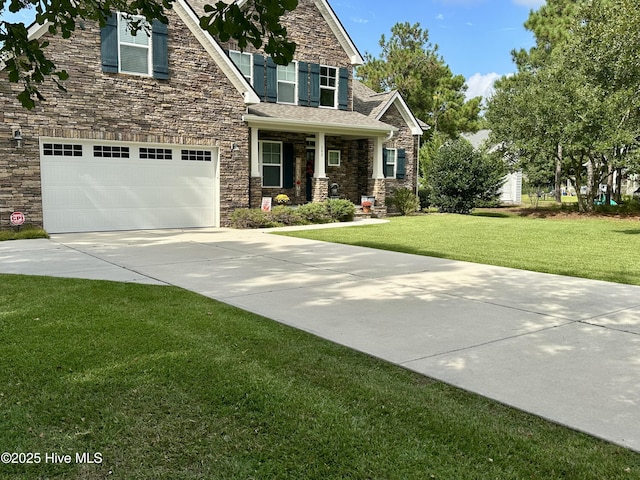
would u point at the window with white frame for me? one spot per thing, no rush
(134, 50)
(391, 162)
(271, 156)
(328, 86)
(244, 62)
(287, 83)
(333, 158)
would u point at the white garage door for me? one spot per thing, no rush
(88, 186)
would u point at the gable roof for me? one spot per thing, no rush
(375, 105)
(327, 12)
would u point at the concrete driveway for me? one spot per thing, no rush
(566, 349)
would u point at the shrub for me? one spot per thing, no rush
(341, 210)
(314, 213)
(253, 218)
(461, 177)
(405, 201)
(286, 216)
(424, 194)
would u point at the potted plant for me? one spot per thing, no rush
(366, 206)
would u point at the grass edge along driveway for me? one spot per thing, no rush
(597, 248)
(165, 383)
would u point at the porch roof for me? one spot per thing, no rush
(307, 119)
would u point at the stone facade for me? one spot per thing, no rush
(197, 105)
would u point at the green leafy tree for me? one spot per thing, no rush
(410, 64)
(256, 22)
(462, 177)
(574, 98)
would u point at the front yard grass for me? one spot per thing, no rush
(164, 383)
(598, 248)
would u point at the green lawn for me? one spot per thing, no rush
(157, 383)
(605, 249)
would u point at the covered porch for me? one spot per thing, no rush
(315, 154)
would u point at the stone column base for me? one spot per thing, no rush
(320, 189)
(255, 192)
(378, 189)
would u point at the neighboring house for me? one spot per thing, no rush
(178, 130)
(511, 190)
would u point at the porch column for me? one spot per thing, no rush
(255, 158)
(319, 170)
(378, 168)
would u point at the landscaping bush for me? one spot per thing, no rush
(281, 215)
(461, 177)
(405, 201)
(253, 218)
(284, 215)
(424, 195)
(341, 210)
(314, 212)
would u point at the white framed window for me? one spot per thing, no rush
(328, 86)
(391, 162)
(134, 51)
(333, 158)
(271, 160)
(287, 82)
(244, 62)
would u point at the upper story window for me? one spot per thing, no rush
(287, 83)
(244, 62)
(328, 84)
(144, 54)
(135, 50)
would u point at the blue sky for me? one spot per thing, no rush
(475, 37)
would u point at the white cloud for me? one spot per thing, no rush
(479, 85)
(440, 17)
(530, 3)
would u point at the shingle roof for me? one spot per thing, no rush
(337, 118)
(367, 101)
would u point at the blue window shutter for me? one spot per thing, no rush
(343, 89)
(258, 75)
(288, 162)
(400, 165)
(314, 95)
(160, 53)
(272, 81)
(388, 169)
(303, 83)
(109, 45)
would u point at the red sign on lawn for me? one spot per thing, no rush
(17, 218)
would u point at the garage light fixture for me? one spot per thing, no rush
(234, 147)
(17, 138)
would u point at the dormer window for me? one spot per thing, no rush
(328, 84)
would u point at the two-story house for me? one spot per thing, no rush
(175, 129)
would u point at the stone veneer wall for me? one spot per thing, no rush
(402, 139)
(196, 106)
(315, 41)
